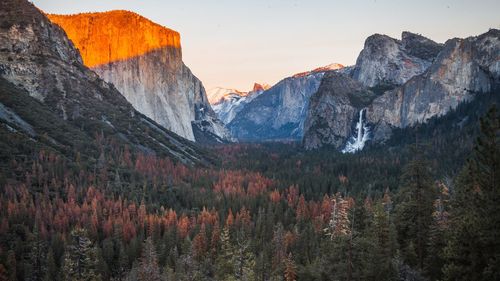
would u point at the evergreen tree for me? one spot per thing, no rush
(435, 258)
(225, 259)
(12, 265)
(36, 265)
(3, 273)
(80, 258)
(382, 246)
(244, 262)
(148, 264)
(51, 267)
(414, 212)
(339, 224)
(473, 249)
(290, 269)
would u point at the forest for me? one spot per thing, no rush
(423, 206)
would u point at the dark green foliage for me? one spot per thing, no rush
(80, 258)
(37, 264)
(473, 250)
(384, 239)
(414, 212)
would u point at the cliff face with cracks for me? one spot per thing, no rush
(463, 69)
(427, 79)
(391, 62)
(144, 62)
(332, 110)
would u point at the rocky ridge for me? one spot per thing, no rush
(413, 80)
(385, 61)
(279, 113)
(332, 110)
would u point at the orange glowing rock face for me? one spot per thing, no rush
(113, 36)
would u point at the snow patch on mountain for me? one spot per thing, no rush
(228, 102)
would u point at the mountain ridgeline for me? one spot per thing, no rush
(401, 84)
(395, 83)
(279, 112)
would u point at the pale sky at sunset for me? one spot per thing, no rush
(234, 43)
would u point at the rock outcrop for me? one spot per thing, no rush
(463, 69)
(37, 57)
(279, 112)
(385, 61)
(332, 110)
(144, 62)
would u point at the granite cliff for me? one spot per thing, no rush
(332, 110)
(412, 80)
(463, 69)
(42, 71)
(144, 62)
(385, 61)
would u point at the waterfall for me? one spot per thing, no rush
(357, 142)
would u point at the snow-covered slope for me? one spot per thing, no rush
(228, 102)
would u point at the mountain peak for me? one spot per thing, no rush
(217, 94)
(260, 87)
(140, 34)
(420, 46)
(332, 66)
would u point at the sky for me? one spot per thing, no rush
(234, 43)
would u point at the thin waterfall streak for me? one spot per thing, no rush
(362, 135)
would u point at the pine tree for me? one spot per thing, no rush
(225, 259)
(414, 212)
(36, 265)
(80, 258)
(339, 224)
(437, 241)
(51, 267)
(244, 261)
(473, 249)
(12, 265)
(148, 264)
(382, 246)
(290, 269)
(3, 273)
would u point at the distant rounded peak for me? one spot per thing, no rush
(377, 38)
(330, 67)
(260, 87)
(218, 94)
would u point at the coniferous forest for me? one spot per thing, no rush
(117, 165)
(423, 206)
